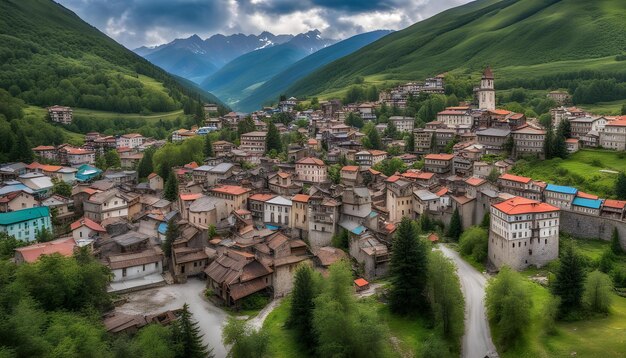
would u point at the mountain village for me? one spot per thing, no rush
(244, 221)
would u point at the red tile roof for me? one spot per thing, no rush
(500, 111)
(617, 123)
(571, 140)
(43, 147)
(87, 222)
(377, 152)
(584, 195)
(64, 247)
(515, 178)
(350, 168)
(310, 160)
(439, 156)
(361, 282)
(449, 112)
(519, 205)
(433, 237)
(192, 165)
(441, 192)
(617, 204)
(393, 179)
(152, 175)
(473, 181)
(261, 197)
(301, 198)
(231, 189)
(189, 197)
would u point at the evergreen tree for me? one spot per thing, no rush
(44, 235)
(341, 240)
(21, 150)
(62, 188)
(616, 246)
(391, 131)
(623, 109)
(409, 146)
(273, 141)
(565, 129)
(548, 143)
(171, 188)
(493, 176)
(486, 221)
(208, 147)
(171, 234)
(509, 146)
(559, 147)
(145, 166)
(445, 296)
(374, 140)
(433, 143)
(101, 162)
(408, 272)
(302, 304)
(112, 159)
(568, 284)
(246, 126)
(620, 186)
(187, 337)
(455, 229)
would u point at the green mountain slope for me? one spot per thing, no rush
(549, 36)
(272, 89)
(48, 55)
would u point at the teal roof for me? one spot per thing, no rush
(588, 203)
(19, 216)
(562, 189)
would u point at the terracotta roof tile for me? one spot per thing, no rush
(519, 205)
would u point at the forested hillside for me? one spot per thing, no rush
(48, 55)
(534, 43)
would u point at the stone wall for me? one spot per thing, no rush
(591, 227)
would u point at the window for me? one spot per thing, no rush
(123, 272)
(144, 268)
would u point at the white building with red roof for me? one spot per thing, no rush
(31, 253)
(311, 170)
(523, 232)
(85, 228)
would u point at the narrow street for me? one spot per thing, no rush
(477, 342)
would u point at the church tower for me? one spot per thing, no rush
(487, 92)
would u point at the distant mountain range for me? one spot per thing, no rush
(242, 75)
(271, 90)
(195, 59)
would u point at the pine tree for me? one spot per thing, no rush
(410, 144)
(455, 229)
(374, 140)
(620, 186)
(509, 146)
(616, 246)
(559, 147)
(187, 337)
(486, 221)
(408, 272)
(273, 141)
(568, 284)
(171, 234)
(171, 187)
(21, 150)
(246, 126)
(208, 147)
(145, 166)
(547, 144)
(564, 129)
(302, 304)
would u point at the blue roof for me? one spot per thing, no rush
(562, 189)
(162, 228)
(358, 230)
(588, 203)
(15, 187)
(272, 227)
(373, 214)
(19, 216)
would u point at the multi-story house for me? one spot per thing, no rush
(235, 197)
(402, 124)
(493, 139)
(456, 116)
(349, 175)
(589, 206)
(253, 143)
(528, 141)
(300, 210)
(572, 145)
(311, 170)
(17, 200)
(182, 134)
(522, 233)
(560, 196)
(107, 204)
(613, 209)
(277, 212)
(614, 135)
(423, 140)
(222, 148)
(367, 158)
(25, 224)
(443, 136)
(76, 156)
(256, 205)
(399, 198)
(323, 220)
(580, 126)
(438, 163)
(282, 183)
(130, 140)
(46, 152)
(366, 110)
(520, 186)
(60, 114)
(356, 207)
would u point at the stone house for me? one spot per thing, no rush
(107, 204)
(399, 198)
(402, 124)
(300, 209)
(368, 158)
(311, 170)
(613, 209)
(521, 186)
(256, 205)
(528, 141)
(522, 233)
(560, 196)
(438, 163)
(155, 182)
(282, 183)
(85, 229)
(235, 197)
(614, 135)
(493, 139)
(136, 265)
(323, 219)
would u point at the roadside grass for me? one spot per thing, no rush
(597, 336)
(406, 334)
(581, 170)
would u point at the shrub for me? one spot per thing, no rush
(597, 295)
(255, 301)
(474, 242)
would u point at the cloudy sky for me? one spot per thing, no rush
(134, 23)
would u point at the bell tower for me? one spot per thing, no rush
(486, 91)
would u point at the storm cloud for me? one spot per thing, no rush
(134, 23)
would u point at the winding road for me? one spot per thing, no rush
(477, 341)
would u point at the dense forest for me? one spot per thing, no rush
(49, 56)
